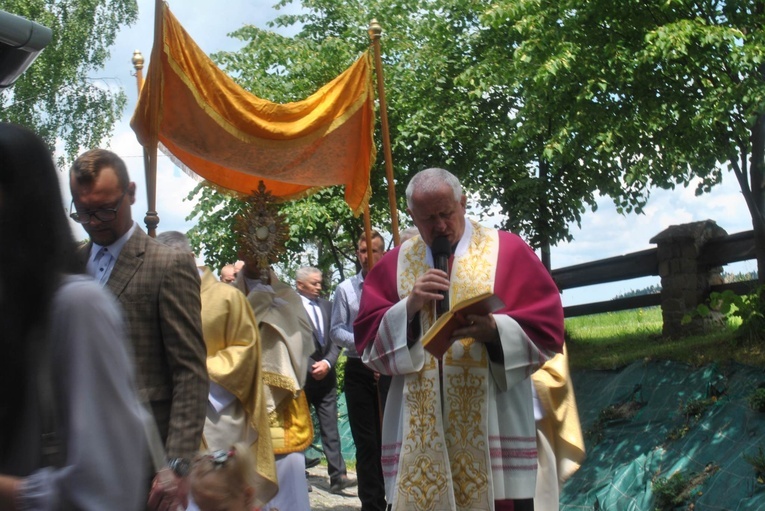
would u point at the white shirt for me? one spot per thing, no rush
(102, 258)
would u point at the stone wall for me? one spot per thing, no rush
(685, 282)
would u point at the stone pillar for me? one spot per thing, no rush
(684, 281)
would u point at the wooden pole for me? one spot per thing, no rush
(155, 75)
(138, 62)
(375, 31)
(368, 236)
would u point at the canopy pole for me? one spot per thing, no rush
(138, 62)
(375, 31)
(152, 219)
(368, 236)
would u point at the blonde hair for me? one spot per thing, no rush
(233, 470)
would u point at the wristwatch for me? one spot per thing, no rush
(181, 466)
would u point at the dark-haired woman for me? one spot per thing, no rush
(71, 427)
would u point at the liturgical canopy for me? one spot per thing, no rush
(217, 130)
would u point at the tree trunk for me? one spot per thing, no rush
(757, 180)
(543, 224)
(545, 251)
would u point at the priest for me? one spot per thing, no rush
(458, 431)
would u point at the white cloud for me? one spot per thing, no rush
(605, 233)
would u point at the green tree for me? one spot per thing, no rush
(323, 232)
(449, 103)
(542, 107)
(615, 98)
(56, 97)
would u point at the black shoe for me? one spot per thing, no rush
(312, 462)
(342, 483)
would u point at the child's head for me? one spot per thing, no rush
(222, 480)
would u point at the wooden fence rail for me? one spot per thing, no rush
(645, 263)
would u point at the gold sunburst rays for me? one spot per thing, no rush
(261, 230)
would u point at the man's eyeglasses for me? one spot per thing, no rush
(102, 215)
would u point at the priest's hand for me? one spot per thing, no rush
(427, 288)
(481, 328)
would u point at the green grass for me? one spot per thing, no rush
(615, 324)
(616, 339)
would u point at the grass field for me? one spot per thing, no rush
(616, 339)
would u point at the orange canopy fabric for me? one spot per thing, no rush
(233, 139)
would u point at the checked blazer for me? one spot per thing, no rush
(159, 290)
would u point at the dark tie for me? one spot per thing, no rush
(317, 323)
(102, 260)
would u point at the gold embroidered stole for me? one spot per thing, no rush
(444, 462)
(291, 425)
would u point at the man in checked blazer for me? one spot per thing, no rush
(159, 290)
(321, 383)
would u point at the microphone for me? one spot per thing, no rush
(441, 251)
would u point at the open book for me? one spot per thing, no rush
(438, 337)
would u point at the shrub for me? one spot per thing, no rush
(679, 489)
(670, 492)
(758, 463)
(757, 400)
(748, 309)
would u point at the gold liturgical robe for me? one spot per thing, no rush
(561, 421)
(234, 362)
(287, 342)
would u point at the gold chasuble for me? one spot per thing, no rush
(287, 341)
(234, 363)
(561, 421)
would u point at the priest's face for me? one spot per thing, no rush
(437, 213)
(228, 274)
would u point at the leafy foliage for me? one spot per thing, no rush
(56, 97)
(758, 463)
(669, 491)
(748, 312)
(757, 400)
(542, 107)
(680, 488)
(613, 98)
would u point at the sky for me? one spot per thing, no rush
(603, 234)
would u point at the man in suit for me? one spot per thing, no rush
(159, 290)
(321, 383)
(236, 407)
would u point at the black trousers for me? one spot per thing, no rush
(322, 395)
(364, 418)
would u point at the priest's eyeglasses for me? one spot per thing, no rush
(102, 214)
